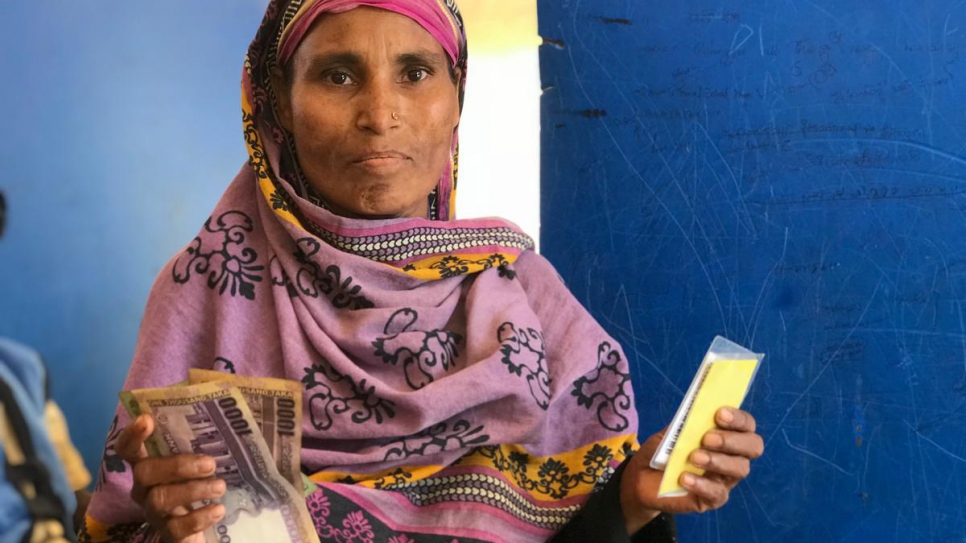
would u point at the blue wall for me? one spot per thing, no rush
(790, 174)
(121, 128)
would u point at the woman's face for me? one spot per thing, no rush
(372, 106)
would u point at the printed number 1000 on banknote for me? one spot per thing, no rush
(214, 419)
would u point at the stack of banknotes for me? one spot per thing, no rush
(252, 427)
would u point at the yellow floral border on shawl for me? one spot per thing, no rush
(572, 461)
(95, 531)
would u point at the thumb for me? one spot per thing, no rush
(130, 442)
(650, 446)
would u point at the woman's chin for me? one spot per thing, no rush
(376, 199)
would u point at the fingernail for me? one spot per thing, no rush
(217, 487)
(700, 458)
(688, 479)
(217, 513)
(139, 423)
(713, 441)
(206, 465)
(727, 415)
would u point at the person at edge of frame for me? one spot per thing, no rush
(44, 480)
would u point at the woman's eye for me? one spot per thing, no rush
(416, 75)
(339, 78)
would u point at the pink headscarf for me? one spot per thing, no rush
(444, 25)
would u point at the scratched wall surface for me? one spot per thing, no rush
(790, 175)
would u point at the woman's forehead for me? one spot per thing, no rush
(366, 30)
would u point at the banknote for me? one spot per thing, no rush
(214, 419)
(130, 404)
(276, 405)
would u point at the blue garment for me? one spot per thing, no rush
(23, 372)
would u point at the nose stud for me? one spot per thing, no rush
(395, 116)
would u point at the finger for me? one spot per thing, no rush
(179, 528)
(726, 465)
(736, 420)
(735, 443)
(151, 472)
(130, 442)
(709, 494)
(165, 500)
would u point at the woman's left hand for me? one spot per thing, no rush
(726, 456)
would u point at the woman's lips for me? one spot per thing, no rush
(381, 161)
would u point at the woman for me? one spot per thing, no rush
(454, 389)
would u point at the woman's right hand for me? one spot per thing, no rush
(166, 487)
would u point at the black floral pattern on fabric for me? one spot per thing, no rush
(597, 458)
(608, 387)
(523, 354)
(506, 272)
(396, 477)
(421, 353)
(224, 365)
(220, 253)
(117, 532)
(111, 461)
(339, 519)
(334, 395)
(438, 438)
(280, 278)
(554, 477)
(281, 200)
(256, 156)
(454, 266)
(312, 281)
(126, 532)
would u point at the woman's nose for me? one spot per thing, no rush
(378, 108)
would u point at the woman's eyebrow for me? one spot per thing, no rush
(426, 57)
(321, 62)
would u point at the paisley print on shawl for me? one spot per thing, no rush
(608, 387)
(523, 354)
(438, 438)
(332, 395)
(221, 252)
(422, 354)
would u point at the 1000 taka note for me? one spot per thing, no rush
(214, 419)
(276, 405)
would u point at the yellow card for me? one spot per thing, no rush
(725, 385)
